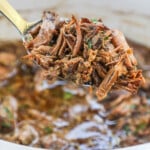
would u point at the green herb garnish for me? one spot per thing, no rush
(9, 113)
(141, 126)
(6, 124)
(48, 130)
(132, 106)
(106, 38)
(89, 44)
(67, 95)
(94, 20)
(126, 128)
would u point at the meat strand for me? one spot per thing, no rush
(84, 52)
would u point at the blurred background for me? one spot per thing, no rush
(130, 16)
(52, 116)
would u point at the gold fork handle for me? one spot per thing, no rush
(7, 10)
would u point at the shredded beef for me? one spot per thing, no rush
(84, 51)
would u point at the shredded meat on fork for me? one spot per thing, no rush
(85, 52)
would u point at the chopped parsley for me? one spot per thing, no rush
(127, 128)
(48, 130)
(89, 42)
(106, 38)
(9, 113)
(67, 95)
(94, 20)
(6, 124)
